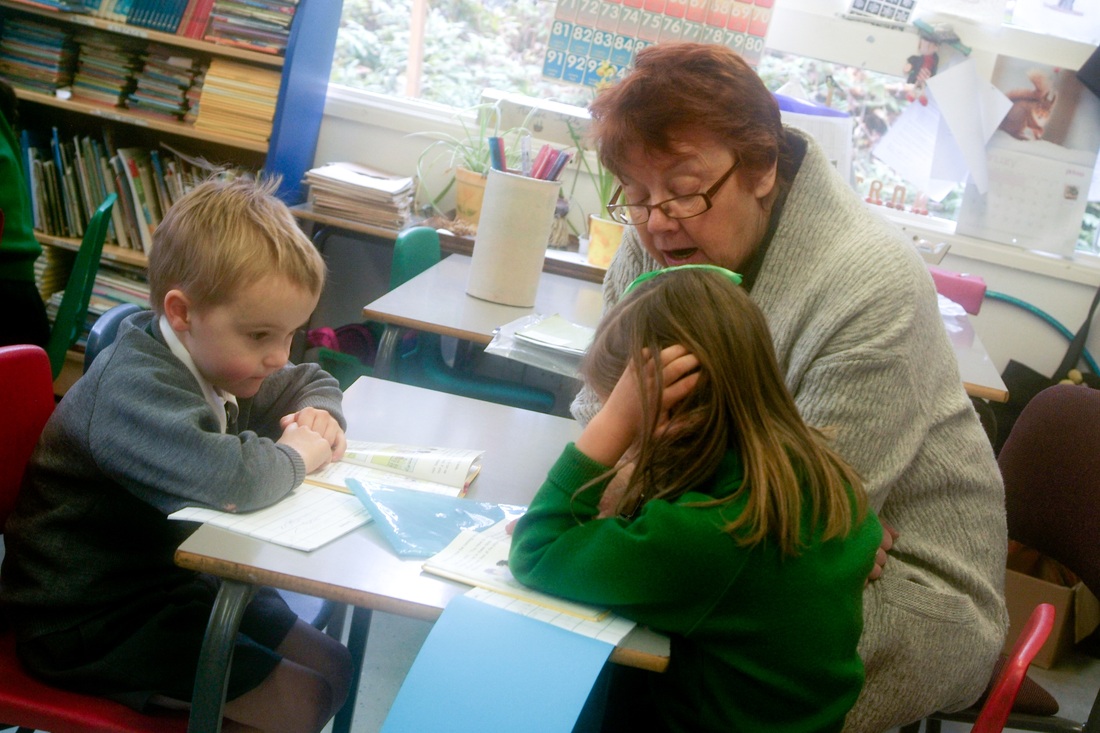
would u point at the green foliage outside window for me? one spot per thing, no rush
(469, 46)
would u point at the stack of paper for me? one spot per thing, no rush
(238, 99)
(558, 334)
(360, 193)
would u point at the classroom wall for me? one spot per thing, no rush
(379, 134)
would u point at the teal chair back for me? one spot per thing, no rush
(415, 250)
(78, 291)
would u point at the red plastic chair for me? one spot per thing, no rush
(998, 704)
(26, 391)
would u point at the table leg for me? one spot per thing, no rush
(357, 645)
(385, 361)
(212, 676)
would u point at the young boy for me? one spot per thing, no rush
(194, 404)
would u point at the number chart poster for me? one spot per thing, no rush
(593, 42)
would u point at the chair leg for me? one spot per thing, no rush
(357, 645)
(335, 627)
(216, 655)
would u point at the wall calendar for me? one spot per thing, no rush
(593, 42)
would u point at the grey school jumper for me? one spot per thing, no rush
(131, 442)
(854, 318)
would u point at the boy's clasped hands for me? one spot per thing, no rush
(315, 435)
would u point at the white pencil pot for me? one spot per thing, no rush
(510, 247)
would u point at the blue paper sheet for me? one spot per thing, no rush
(493, 671)
(419, 523)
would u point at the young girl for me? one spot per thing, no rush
(738, 532)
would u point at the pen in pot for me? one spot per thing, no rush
(525, 155)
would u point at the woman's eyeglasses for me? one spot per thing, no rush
(677, 207)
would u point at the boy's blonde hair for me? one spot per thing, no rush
(740, 402)
(224, 234)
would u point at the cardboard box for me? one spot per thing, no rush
(1077, 613)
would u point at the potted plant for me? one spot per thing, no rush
(604, 234)
(466, 156)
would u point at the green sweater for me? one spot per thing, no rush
(18, 247)
(759, 641)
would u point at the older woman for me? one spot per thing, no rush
(710, 175)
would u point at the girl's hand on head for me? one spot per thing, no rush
(617, 425)
(322, 423)
(680, 374)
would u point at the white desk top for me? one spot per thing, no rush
(360, 568)
(436, 301)
(979, 375)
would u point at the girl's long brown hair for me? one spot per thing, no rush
(740, 402)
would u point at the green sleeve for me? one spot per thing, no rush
(669, 553)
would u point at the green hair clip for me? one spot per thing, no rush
(733, 277)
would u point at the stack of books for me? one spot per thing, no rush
(159, 15)
(65, 6)
(359, 193)
(51, 271)
(70, 177)
(258, 25)
(106, 66)
(238, 99)
(36, 56)
(114, 285)
(162, 84)
(194, 95)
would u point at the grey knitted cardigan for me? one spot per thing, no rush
(854, 317)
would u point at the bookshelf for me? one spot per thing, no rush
(301, 73)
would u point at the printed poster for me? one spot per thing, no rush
(593, 42)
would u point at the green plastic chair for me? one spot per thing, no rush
(415, 250)
(78, 291)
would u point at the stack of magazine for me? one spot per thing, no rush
(359, 193)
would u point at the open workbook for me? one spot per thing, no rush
(480, 559)
(439, 470)
(323, 508)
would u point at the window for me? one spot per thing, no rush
(449, 51)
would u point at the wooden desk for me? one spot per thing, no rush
(360, 568)
(436, 301)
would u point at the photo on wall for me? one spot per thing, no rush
(1040, 160)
